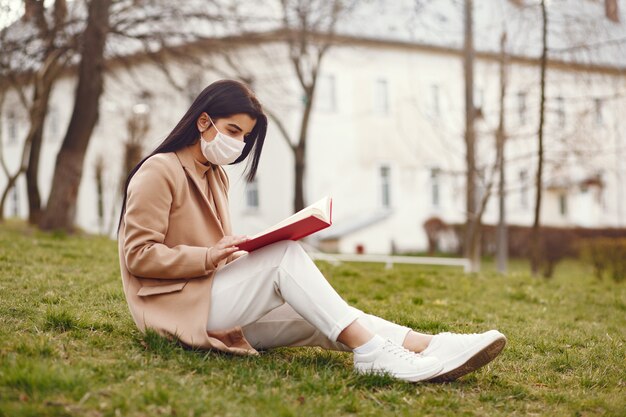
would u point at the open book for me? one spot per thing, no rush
(307, 221)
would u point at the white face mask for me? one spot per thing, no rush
(223, 149)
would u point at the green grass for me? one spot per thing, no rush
(69, 348)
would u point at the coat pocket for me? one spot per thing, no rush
(161, 289)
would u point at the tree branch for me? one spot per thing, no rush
(281, 128)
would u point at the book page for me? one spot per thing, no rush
(319, 209)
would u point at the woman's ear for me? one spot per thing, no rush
(203, 122)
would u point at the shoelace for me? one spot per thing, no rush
(400, 351)
(461, 334)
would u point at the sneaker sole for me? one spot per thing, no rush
(423, 375)
(478, 360)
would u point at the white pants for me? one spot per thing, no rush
(279, 298)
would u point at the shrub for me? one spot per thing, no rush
(607, 256)
(433, 227)
(556, 243)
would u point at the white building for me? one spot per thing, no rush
(386, 137)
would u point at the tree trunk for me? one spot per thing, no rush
(32, 186)
(472, 228)
(39, 110)
(5, 193)
(300, 151)
(99, 176)
(535, 249)
(300, 164)
(502, 241)
(44, 80)
(42, 86)
(61, 207)
(37, 120)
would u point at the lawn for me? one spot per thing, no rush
(68, 345)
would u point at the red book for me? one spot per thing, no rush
(307, 221)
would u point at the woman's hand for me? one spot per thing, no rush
(225, 247)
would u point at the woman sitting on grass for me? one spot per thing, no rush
(184, 276)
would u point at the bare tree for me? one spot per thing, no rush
(502, 238)
(61, 207)
(157, 30)
(535, 243)
(472, 223)
(53, 62)
(99, 168)
(3, 164)
(310, 29)
(11, 176)
(53, 55)
(137, 126)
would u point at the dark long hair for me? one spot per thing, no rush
(222, 98)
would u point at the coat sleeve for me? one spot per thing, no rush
(149, 199)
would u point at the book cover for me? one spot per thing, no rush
(307, 221)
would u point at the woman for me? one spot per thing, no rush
(177, 257)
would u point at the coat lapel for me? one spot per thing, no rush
(219, 197)
(187, 161)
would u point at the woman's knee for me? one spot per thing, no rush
(289, 245)
(274, 255)
(282, 248)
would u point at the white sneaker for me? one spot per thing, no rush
(398, 362)
(463, 353)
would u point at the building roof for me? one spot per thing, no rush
(578, 30)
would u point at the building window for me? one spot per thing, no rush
(436, 105)
(385, 186)
(252, 194)
(12, 127)
(560, 109)
(326, 96)
(435, 186)
(381, 97)
(563, 204)
(521, 107)
(598, 107)
(15, 201)
(523, 179)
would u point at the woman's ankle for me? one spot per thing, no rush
(355, 335)
(416, 342)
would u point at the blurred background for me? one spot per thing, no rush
(492, 127)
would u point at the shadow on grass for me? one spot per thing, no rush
(312, 368)
(160, 345)
(372, 381)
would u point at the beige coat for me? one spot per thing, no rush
(164, 247)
